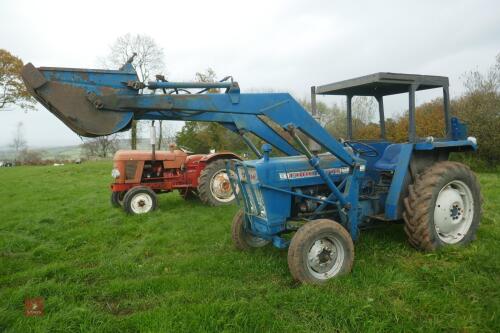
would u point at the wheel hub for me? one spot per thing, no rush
(141, 203)
(220, 187)
(453, 211)
(322, 256)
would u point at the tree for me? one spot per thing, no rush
(207, 76)
(12, 89)
(189, 137)
(30, 157)
(166, 134)
(102, 146)
(148, 61)
(479, 108)
(334, 117)
(19, 142)
(201, 137)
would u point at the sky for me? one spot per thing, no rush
(265, 45)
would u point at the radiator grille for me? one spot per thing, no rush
(130, 168)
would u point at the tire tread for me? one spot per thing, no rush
(418, 201)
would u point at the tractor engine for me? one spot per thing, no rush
(153, 170)
(303, 205)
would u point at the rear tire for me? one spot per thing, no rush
(140, 200)
(214, 188)
(320, 250)
(443, 207)
(242, 239)
(117, 198)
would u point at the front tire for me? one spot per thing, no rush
(443, 207)
(117, 198)
(140, 200)
(320, 250)
(214, 187)
(242, 239)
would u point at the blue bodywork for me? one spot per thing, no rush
(278, 193)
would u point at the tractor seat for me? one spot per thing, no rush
(390, 157)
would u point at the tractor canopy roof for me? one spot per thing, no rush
(382, 84)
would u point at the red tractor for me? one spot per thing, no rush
(141, 175)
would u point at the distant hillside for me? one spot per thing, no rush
(51, 153)
(70, 152)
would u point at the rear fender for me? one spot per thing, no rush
(413, 160)
(217, 156)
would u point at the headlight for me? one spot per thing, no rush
(115, 173)
(252, 173)
(250, 186)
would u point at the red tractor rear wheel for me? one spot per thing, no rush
(214, 187)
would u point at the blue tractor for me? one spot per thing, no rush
(317, 195)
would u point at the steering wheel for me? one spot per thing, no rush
(369, 151)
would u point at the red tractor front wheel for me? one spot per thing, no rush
(140, 200)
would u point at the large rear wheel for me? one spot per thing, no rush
(214, 187)
(320, 250)
(443, 207)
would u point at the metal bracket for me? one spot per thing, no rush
(136, 85)
(234, 92)
(95, 100)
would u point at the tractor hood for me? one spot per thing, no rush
(71, 95)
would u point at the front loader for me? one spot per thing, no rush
(315, 200)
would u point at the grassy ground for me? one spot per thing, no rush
(176, 269)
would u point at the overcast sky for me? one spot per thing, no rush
(278, 45)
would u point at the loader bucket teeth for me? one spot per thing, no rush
(64, 92)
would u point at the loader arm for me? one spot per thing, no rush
(102, 102)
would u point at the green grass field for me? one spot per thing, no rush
(176, 269)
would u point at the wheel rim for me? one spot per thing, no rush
(141, 203)
(453, 212)
(325, 257)
(220, 187)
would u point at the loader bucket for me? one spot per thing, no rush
(65, 92)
